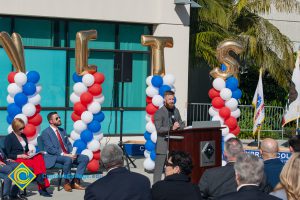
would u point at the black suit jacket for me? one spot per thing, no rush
(175, 187)
(13, 147)
(119, 184)
(248, 192)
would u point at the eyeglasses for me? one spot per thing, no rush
(168, 164)
(57, 118)
(20, 129)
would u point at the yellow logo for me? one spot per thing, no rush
(22, 176)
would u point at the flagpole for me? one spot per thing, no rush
(297, 124)
(258, 137)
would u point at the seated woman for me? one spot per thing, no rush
(289, 187)
(16, 146)
(176, 184)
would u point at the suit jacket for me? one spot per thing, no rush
(218, 181)
(248, 192)
(52, 145)
(175, 187)
(119, 184)
(273, 168)
(163, 124)
(13, 147)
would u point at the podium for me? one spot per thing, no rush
(204, 145)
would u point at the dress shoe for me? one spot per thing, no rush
(67, 187)
(77, 186)
(45, 193)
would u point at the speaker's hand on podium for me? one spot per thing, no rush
(176, 126)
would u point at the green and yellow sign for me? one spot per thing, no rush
(22, 176)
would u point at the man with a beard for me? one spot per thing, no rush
(166, 119)
(58, 149)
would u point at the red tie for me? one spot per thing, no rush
(61, 142)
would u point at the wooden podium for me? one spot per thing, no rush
(204, 145)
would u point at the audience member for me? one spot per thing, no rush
(249, 170)
(294, 143)
(289, 186)
(176, 184)
(272, 164)
(59, 148)
(221, 180)
(119, 183)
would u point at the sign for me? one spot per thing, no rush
(283, 156)
(22, 176)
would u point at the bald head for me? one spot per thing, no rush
(269, 148)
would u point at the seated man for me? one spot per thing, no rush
(58, 150)
(119, 183)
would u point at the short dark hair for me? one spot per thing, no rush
(50, 114)
(183, 160)
(294, 142)
(169, 92)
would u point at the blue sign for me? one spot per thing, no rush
(283, 156)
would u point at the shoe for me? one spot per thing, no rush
(77, 186)
(45, 193)
(18, 196)
(67, 187)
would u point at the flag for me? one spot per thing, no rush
(259, 106)
(293, 108)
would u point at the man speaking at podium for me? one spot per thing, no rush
(166, 119)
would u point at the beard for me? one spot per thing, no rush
(58, 123)
(170, 105)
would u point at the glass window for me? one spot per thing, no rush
(5, 24)
(5, 69)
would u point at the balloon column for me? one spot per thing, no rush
(87, 98)
(23, 98)
(225, 92)
(157, 85)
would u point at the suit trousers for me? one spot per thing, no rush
(159, 167)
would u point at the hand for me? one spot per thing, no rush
(2, 163)
(24, 156)
(176, 126)
(10, 160)
(70, 155)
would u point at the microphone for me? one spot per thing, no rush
(173, 118)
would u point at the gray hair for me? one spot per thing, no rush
(249, 169)
(112, 156)
(234, 147)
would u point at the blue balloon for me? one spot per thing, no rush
(149, 145)
(86, 136)
(223, 67)
(33, 77)
(175, 100)
(76, 78)
(20, 99)
(157, 81)
(147, 135)
(29, 88)
(13, 109)
(153, 155)
(99, 116)
(232, 83)
(94, 126)
(163, 89)
(237, 94)
(80, 146)
(9, 119)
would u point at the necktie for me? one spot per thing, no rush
(63, 148)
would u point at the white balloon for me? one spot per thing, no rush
(74, 135)
(225, 131)
(99, 99)
(94, 107)
(33, 141)
(173, 89)
(35, 99)
(228, 136)
(31, 147)
(79, 88)
(28, 109)
(79, 126)
(14, 89)
(88, 80)
(98, 136)
(149, 164)
(10, 99)
(74, 98)
(71, 141)
(38, 88)
(93, 145)
(151, 91)
(150, 127)
(213, 112)
(169, 79)
(148, 80)
(154, 136)
(88, 153)
(20, 78)
(23, 117)
(225, 94)
(158, 100)
(38, 129)
(147, 154)
(219, 84)
(224, 162)
(87, 117)
(232, 104)
(236, 113)
(218, 118)
(9, 129)
(147, 118)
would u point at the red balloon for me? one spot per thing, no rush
(225, 112)
(93, 165)
(95, 89)
(218, 102)
(152, 118)
(99, 77)
(96, 155)
(35, 120)
(148, 99)
(29, 130)
(75, 117)
(11, 77)
(86, 98)
(79, 108)
(212, 93)
(151, 109)
(236, 131)
(231, 123)
(38, 108)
